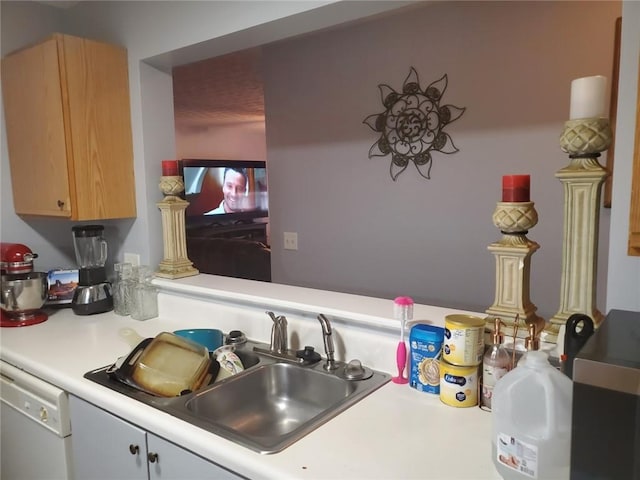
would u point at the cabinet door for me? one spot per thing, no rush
(96, 94)
(34, 121)
(104, 446)
(171, 462)
(68, 122)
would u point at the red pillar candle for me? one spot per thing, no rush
(515, 188)
(169, 168)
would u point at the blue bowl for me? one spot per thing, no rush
(209, 337)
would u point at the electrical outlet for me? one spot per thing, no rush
(132, 258)
(290, 241)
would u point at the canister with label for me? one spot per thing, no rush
(463, 339)
(425, 354)
(459, 385)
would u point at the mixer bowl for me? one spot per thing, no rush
(23, 292)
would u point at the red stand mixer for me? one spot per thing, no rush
(23, 291)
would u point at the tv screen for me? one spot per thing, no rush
(224, 191)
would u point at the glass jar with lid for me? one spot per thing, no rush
(123, 288)
(145, 295)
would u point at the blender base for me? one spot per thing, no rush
(92, 299)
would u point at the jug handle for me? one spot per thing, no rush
(575, 339)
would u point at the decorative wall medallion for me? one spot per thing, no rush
(412, 126)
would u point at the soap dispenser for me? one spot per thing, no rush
(495, 364)
(531, 343)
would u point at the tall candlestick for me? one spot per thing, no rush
(515, 188)
(583, 139)
(169, 168)
(588, 97)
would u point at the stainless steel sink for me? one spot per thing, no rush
(274, 404)
(270, 405)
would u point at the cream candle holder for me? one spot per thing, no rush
(583, 139)
(175, 263)
(513, 253)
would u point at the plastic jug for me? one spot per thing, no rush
(531, 421)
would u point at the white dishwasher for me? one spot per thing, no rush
(35, 441)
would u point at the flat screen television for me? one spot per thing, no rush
(223, 192)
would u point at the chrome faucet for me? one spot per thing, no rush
(279, 338)
(329, 349)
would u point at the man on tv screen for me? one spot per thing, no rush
(234, 189)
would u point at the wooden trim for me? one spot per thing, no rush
(613, 111)
(634, 217)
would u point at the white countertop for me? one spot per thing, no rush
(394, 433)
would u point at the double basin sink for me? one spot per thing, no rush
(271, 404)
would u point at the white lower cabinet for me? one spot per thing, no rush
(107, 447)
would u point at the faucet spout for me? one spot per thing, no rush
(279, 337)
(327, 336)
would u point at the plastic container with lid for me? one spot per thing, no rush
(531, 421)
(425, 343)
(170, 365)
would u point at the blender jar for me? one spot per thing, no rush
(91, 254)
(90, 247)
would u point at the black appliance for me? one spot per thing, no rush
(605, 441)
(93, 293)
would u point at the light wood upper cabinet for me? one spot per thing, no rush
(634, 218)
(68, 123)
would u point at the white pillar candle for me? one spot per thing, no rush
(588, 97)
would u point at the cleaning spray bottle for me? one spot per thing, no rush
(495, 364)
(402, 311)
(531, 419)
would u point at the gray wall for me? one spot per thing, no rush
(51, 238)
(490, 126)
(623, 290)
(149, 30)
(361, 232)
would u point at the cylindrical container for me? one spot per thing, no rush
(463, 339)
(144, 299)
(122, 288)
(458, 385)
(426, 351)
(531, 421)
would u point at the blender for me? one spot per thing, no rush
(93, 293)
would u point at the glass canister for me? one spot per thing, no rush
(123, 288)
(145, 296)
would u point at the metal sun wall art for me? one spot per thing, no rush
(412, 126)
